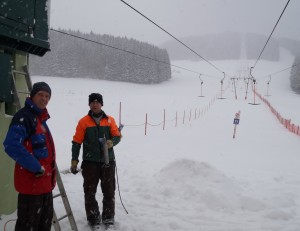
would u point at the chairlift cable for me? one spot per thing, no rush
(119, 49)
(172, 36)
(274, 73)
(271, 33)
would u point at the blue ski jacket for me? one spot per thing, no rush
(29, 142)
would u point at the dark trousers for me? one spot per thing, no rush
(35, 212)
(92, 173)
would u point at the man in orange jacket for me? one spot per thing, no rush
(98, 160)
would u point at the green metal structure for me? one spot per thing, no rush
(24, 25)
(23, 31)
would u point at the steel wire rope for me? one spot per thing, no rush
(117, 176)
(155, 125)
(171, 120)
(134, 125)
(271, 33)
(167, 120)
(65, 33)
(89, 40)
(170, 35)
(186, 46)
(281, 70)
(130, 52)
(8, 222)
(12, 19)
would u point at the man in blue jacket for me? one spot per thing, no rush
(30, 144)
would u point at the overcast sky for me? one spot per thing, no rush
(181, 18)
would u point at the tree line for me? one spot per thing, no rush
(295, 75)
(74, 57)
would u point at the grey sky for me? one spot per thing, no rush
(179, 17)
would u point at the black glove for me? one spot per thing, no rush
(40, 172)
(73, 168)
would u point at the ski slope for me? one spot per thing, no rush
(189, 173)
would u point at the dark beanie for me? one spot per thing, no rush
(40, 86)
(95, 97)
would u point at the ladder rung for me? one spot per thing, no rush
(57, 195)
(24, 92)
(69, 214)
(16, 93)
(19, 72)
(63, 217)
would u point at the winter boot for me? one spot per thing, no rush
(108, 223)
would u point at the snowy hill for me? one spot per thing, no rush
(189, 173)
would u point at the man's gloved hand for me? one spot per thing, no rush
(40, 172)
(73, 168)
(109, 143)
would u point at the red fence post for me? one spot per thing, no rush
(120, 110)
(146, 124)
(164, 123)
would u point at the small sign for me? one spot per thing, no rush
(236, 121)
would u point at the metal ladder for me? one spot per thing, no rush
(24, 73)
(62, 191)
(69, 214)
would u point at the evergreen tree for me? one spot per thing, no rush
(102, 59)
(295, 75)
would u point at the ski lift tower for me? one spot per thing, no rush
(201, 95)
(254, 87)
(222, 82)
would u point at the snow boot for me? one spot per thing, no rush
(94, 224)
(108, 223)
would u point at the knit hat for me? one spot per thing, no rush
(40, 86)
(95, 97)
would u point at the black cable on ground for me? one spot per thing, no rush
(119, 188)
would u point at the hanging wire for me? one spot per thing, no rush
(271, 33)
(8, 222)
(119, 189)
(274, 73)
(130, 52)
(172, 36)
(166, 63)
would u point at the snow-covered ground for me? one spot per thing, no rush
(189, 174)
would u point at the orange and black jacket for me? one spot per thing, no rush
(88, 134)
